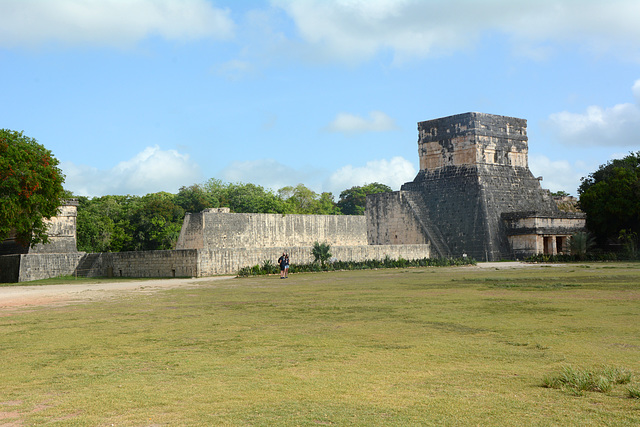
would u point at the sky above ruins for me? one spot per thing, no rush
(140, 96)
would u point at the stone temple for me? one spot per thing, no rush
(474, 195)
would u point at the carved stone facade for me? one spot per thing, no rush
(473, 174)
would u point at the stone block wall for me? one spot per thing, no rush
(170, 263)
(390, 221)
(38, 266)
(208, 230)
(192, 232)
(230, 260)
(452, 200)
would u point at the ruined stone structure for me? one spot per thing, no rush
(227, 241)
(214, 242)
(61, 230)
(474, 194)
(59, 256)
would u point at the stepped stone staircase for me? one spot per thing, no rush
(87, 264)
(421, 213)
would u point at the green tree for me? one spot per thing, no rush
(251, 198)
(218, 190)
(302, 200)
(354, 200)
(103, 223)
(155, 222)
(326, 205)
(30, 187)
(195, 198)
(610, 197)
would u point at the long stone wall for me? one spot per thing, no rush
(213, 229)
(230, 260)
(171, 263)
(27, 267)
(182, 263)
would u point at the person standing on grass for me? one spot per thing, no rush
(286, 266)
(283, 262)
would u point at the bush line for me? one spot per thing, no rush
(268, 267)
(593, 256)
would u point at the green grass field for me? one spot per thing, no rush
(425, 346)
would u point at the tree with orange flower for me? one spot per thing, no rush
(30, 187)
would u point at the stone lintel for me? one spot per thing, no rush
(538, 223)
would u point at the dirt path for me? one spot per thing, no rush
(12, 297)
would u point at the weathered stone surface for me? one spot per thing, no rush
(472, 138)
(207, 230)
(230, 260)
(61, 231)
(221, 243)
(473, 169)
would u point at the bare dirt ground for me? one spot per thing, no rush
(24, 296)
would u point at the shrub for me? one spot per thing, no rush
(321, 252)
(269, 268)
(577, 381)
(580, 243)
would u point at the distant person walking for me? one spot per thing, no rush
(283, 263)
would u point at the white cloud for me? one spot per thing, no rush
(150, 171)
(617, 126)
(393, 173)
(558, 175)
(636, 91)
(273, 175)
(356, 30)
(109, 22)
(351, 124)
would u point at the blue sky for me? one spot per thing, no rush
(140, 96)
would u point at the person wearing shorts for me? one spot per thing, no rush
(283, 263)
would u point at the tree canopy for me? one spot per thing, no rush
(610, 197)
(128, 223)
(354, 200)
(30, 187)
